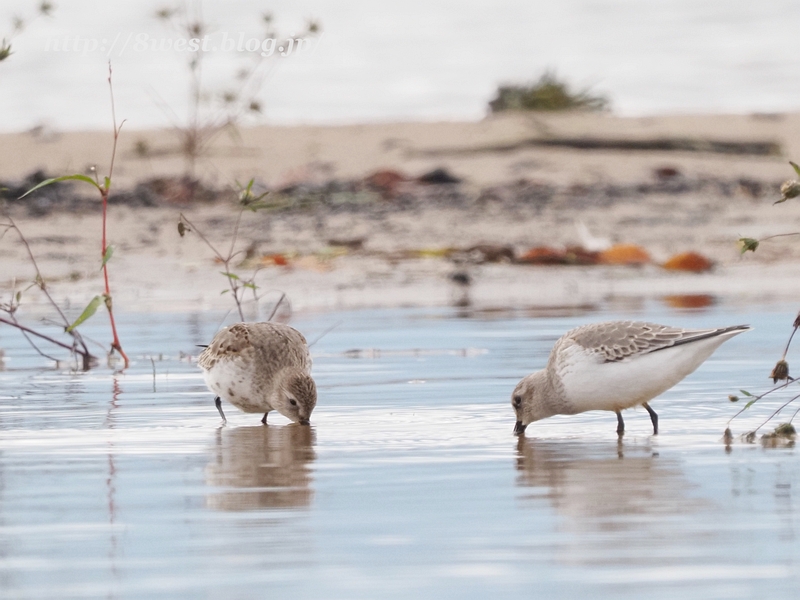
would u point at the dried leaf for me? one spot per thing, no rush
(625, 254)
(688, 261)
(780, 371)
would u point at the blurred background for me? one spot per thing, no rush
(402, 60)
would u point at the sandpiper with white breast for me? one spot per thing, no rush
(260, 367)
(613, 366)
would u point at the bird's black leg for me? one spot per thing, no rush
(264, 420)
(218, 402)
(620, 424)
(653, 417)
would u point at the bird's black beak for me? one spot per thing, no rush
(519, 428)
(304, 422)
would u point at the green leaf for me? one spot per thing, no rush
(5, 50)
(107, 255)
(746, 393)
(796, 167)
(223, 292)
(250, 285)
(749, 404)
(90, 309)
(748, 244)
(76, 177)
(230, 275)
(107, 183)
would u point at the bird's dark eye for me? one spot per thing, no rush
(293, 402)
(517, 400)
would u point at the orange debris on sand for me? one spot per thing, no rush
(545, 255)
(688, 261)
(625, 254)
(385, 181)
(690, 300)
(274, 259)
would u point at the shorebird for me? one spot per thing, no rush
(260, 367)
(613, 366)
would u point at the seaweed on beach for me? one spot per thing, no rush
(548, 93)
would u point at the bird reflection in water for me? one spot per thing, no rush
(616, 499)
(262, 467)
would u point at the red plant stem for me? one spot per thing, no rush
(115, 343)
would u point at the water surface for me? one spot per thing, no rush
(409, 481)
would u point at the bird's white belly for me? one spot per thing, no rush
(592, 385)
(232, 383)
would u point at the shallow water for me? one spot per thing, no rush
(409, 481)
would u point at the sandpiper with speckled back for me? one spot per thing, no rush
(261, 367)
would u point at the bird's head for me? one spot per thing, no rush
(296, 396)
(529, 401)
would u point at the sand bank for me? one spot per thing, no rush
(513, 193)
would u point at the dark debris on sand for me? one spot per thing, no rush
(379, 193)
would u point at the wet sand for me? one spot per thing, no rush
(513, 192)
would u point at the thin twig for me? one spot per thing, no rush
(773, 415)
(116, 129)
(225, 260)
(33, 345)
(275, 308)
(44, 337)
(777, 235)
(789, 342)
(324, 333)
(40, 283)
(757, 398)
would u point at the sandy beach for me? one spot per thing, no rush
(335, 238)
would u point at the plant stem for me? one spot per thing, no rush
(225, 260)
(115, 344)
(40, 283)
(760, 396)
(773, 415)
(104, 190)
(86, 356)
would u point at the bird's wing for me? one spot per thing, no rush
(228, 343)
(281, 345)
(615, 341)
